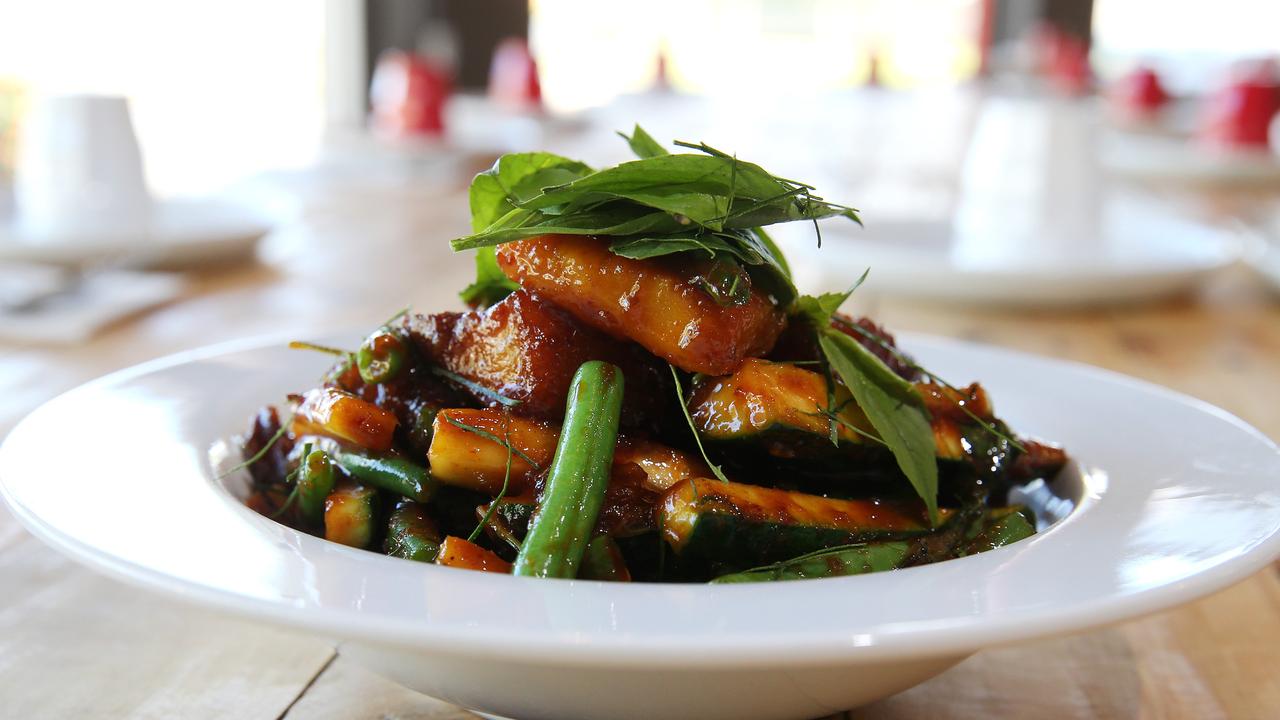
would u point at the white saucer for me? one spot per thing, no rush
(1183, 160)
(1135, 251)
(177, 234)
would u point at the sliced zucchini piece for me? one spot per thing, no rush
(771, 416)
(350, 514)
(340, 415)
(740, 526)
(469, 459)
(468, 449)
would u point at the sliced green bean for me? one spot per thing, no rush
(412, 533)
(381, 356)
(579, 475)
(316, 477)
(837, 562)
(393, 474)
(1003, 527)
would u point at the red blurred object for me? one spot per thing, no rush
(513, 76)
(1239, 115)
(1140, 94)
(1069, 65)
(661, 76)
(408, 95)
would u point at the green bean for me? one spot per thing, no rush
(412, 533)
(579, 475)
(381, 356)
(1002, 527)
(836, 562)
(393, 474)
(316, 477)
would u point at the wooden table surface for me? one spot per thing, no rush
(75, 644)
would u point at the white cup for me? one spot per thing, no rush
(79, 171)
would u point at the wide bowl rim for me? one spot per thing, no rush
(564, 643)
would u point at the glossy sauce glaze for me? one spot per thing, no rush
(527, 350)
(658, 303)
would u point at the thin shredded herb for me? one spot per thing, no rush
(893, 406)
(506, 481)
(832, 416)
(292, 477)
(402, 312)
(697, 438)
(303, 345)
(474, 387)
(262, 452)
(492, 438)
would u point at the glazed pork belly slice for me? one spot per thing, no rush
(657, 302)
(526, 349)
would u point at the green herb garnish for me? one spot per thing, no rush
(262, 452)
(892, 405)
(660, 204)
(906, 360)
(697, 438)
(506, 482)
(474, 387)
(303, 345)
(494, 439)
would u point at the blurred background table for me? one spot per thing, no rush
(75, 644)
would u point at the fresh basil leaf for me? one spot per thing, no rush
(491, 284)
(894, 408)
(658, 205)
(643, 144)
(818, 310)
(690, 185)
(642, 248)
(515, 178)
(765, 268)
(520, 224)
(773, 251)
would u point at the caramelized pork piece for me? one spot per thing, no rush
(527, 349)
(656, 302)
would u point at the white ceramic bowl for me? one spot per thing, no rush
(1179, 499)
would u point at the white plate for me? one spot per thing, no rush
(1180, 500)
(1133, 252)
(177, 234)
